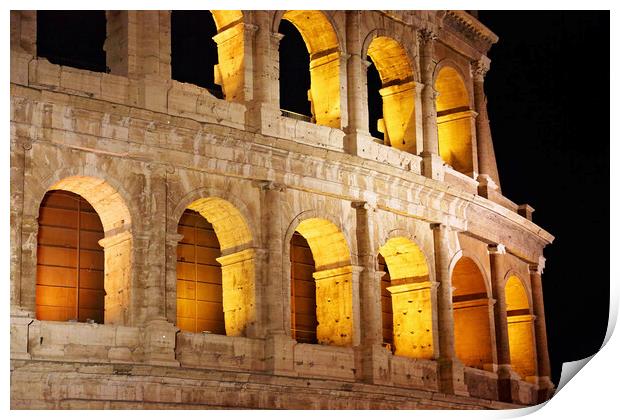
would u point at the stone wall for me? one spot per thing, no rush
(141, 148)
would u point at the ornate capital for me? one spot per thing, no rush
(265, 185)
(538, 268)
(362, 205)
(26, 143)
(426, 36)
(276, 37)
(439, 226)
(479, 68)
(497, 249)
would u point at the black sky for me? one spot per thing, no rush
(548, 101)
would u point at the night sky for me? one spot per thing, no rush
(548, 102)
(548, 97)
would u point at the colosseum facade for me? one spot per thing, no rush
(174, 248)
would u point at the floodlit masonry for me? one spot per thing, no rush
(172, 249)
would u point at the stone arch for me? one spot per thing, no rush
(235, 206)
(473, 313)
(226, 18)
(398, 91)
(325, 49)
(228, 32)
(116, 221)
(236, 257)
(316, 214)
(332, 274)
(233, 51)
(520, 327)
(411, 295)
(455, 117)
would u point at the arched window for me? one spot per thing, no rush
(72, 38)
(520, 328)
(375, 103)
(455, 121)
(193, 51)
(395, 116)
(84, 253)
(294, 74)
(199, 276)
(70, 261)
(215, 290)
(406, 295)
(320, 258)
(472, 315)
(322, 65)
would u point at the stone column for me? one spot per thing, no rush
(412, 304)
(24, 31)
(272, 322)
(451, 373)
(22, 228)
(117, 263)
(148, 58)
(116, 44)
(357, 97)
(335, 293)
(234, 50)
(504, 370)
(371, 358)
(487, 166)
(432, 165)
(159, 334)
(265, 104)
(545, 386)
(28, 279)
(23, 43)
(172, 241)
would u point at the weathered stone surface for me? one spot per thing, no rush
(142, 148)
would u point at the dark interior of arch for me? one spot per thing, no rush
(387, 315)
(375, 103)
(193, 50)
(294, 71)
(303, 291)
(70, 261)
(72, 38)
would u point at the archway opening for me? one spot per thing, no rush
(309, 84)
(70, 261)
(199, 276)
(215, 290)
(83, 253)
(395, 118)
(294, 74)
(72, 38)
(520, 328)
(455, 120)
(407, 288)
(472, 315)
(303, 291)
(320, 258)
(193, 52)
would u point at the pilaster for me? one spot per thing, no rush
(451, 372)
(271, 320)
(545, 386)
(432, 164)
(484, 142)
(505, 373)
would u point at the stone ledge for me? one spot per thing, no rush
(55, 385)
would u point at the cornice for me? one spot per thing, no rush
(475, 32)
